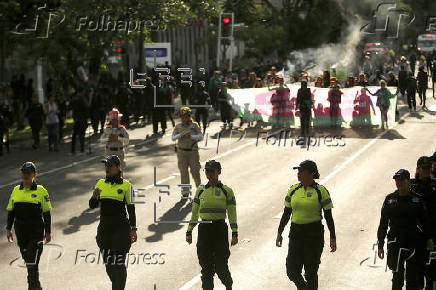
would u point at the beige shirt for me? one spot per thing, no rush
(187, 142)
(121, 132)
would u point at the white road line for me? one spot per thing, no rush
(53, 170)
(191, 283)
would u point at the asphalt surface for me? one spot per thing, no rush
(358, 173)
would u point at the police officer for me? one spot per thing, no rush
(405, 214)
(116, 137)
(116, 232)
(188, 135)
(304, 104)
(304, 201)
(211, 203)
(425, 187)
(29, 211)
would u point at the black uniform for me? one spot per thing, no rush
(98, 110)
(113, 233)
(80, 115)
(35, 114)
(409, 230)
(29, 213)
(159, 114)
(422, 79)
(304, 102)
(411, 91)
(427, 190)
(201, 97)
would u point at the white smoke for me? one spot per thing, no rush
(317, 60)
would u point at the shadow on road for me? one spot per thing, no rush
(175, 214)
(87, 217)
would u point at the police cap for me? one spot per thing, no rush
(28, 167)
(310, 166)
(112, 160)
(424, 162)
(402, 174)
(212, 165)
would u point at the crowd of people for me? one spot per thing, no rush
(90, 103)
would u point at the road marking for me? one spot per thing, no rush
(191, 283)
(53, 170)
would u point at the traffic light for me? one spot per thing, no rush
(226, 22)
(119, 47)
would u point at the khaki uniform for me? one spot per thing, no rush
(187, 153)
(116, 147)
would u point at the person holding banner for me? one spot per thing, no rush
(383, 102)
(225, 108)
(304, 104)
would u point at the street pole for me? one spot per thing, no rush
(219, 42)
(231, 43)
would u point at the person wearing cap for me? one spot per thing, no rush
(116, 231)
(211, 203)
(405, 214)
(225, 107)
(305, 104)
(383, 102)
(425, 187)
(29, 212)
(116, 137)
(305, 201)
(187, 134)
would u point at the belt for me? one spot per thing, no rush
(183, 149)
(114, 148)
(215, 221)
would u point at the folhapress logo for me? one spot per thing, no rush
(41, 25)
(388, 18)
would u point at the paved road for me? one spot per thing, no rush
(357, 174)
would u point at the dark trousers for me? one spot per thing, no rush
(98, 118)
(213, 253)
(53, 135)
(226, 113)
(422, 96)
(31, 246)
(159, 115)
(201, 114)
(306, 243)
(36, 128)
(305, 122)
(79, 130)
(61, 128)
(113, 239)
(411, 99)
(413, 257)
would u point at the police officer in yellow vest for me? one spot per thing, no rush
(188, 134)
(211, 203)
(116, 232)
(29, 212)
(305, 201)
